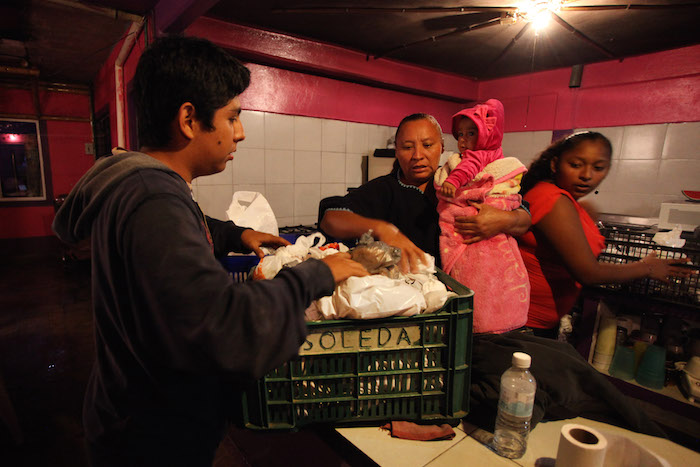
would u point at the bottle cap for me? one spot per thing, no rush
(521, 360)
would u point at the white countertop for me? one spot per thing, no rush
(543, 443)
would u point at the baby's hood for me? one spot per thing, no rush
(489, 119)
(73, 221)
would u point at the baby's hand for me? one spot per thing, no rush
(448, 190)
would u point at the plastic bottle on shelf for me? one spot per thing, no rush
(515, 404)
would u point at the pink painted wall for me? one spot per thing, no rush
(324, 81)
(287, 92)
(67, 150)
(663, 87)
(64, 153)
(300, 77)
(16, 101)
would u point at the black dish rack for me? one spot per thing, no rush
(627, 245)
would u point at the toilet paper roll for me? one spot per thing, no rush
(580, 446)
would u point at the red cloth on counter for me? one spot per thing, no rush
(553, 290)
(414, 431)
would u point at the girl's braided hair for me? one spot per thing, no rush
(541, 168)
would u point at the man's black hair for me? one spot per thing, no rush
(176, 69)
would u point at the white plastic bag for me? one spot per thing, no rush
(672, 238)
(376, 296)
(251, 209)
(310, 246)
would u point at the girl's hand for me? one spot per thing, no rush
(664, 269)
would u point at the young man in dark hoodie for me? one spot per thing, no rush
(170, 325)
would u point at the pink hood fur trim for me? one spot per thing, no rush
(489, 119)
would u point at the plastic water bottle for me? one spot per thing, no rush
(515, 408)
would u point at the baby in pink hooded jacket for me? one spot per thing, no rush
(492, 267)
(479, 132)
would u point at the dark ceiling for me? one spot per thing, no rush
(492, 48)
(67, 41)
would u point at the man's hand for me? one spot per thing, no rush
(411, 256)
(253, 240)
(343, 267)
(448, 190)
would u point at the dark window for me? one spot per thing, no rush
(21, 163)
(103, 135)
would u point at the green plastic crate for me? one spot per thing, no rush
(354, 372)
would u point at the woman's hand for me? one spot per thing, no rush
(488, 222)
(663, 269)
(343, 267)
(253, 240)
(411, 256)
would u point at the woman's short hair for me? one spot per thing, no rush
(177, 69)
(415, 117)
(541, 168)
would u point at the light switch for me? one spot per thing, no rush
(90, 148)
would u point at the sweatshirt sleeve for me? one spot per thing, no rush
(188, 312)
(226, 237)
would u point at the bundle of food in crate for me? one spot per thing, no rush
(385, 292)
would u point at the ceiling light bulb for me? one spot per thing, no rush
(541, 20)
(537, 11)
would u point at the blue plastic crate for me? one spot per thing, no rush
(239, 266)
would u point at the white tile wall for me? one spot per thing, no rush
(281, 198)
(306, 134)
(633, 176)
(655, 163)
(682, 141)
(379, 136)
(296, 161)
(214, 199)
(357, 138)
(677, 175)
(332, 189)
(333, 135)
(333, 167)
(248, 165)
(244, 187)
(353, 169)
(651, 165)
(279, 166)
(614, 134)
(450, 143)
(307, 167)
(306, 199)
(526, 145)
(254, 128)
(643, 141)
(279, 131)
